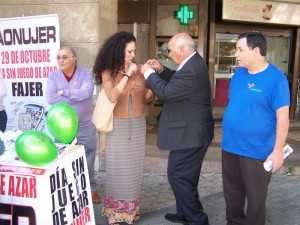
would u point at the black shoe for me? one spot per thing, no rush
(174, 218)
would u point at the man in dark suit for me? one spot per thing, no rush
(186, 125)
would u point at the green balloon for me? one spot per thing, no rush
(62, 122)
(35, 148)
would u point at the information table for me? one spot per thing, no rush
(58, 193)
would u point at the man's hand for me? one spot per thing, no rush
(145, 67)
(277, 158)
(84, 86)
(152, 64)
(60, 92)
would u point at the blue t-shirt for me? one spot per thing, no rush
(249, 123)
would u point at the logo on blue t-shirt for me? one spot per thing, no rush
(250, 85)
(251, 88)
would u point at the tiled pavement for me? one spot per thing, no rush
(283, 203)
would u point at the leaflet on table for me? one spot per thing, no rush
(10, 156)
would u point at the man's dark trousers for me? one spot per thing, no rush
(184, 167)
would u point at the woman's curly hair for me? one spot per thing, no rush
(111, 55)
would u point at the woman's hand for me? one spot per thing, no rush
(132, 69)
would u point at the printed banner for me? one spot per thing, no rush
(28, 48)
(261, 12)
(56, 194)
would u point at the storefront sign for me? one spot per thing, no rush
(56, 194)
(28, 48)
(261, 12)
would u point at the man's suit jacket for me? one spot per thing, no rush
(186, 119)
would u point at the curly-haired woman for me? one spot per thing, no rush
(123, 83)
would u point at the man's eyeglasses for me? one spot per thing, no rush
(63, 58)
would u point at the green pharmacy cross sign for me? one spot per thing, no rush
(184, 14)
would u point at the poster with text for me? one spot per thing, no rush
(56, 194)
(28, 49)
(254, 11)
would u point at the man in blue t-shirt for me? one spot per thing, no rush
(255, 127)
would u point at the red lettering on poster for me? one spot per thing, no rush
(84, 218)
(25, 56)
(22, 186)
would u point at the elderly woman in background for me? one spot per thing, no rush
(3, 115)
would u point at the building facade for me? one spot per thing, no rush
(85, 24)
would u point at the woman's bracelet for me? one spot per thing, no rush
(125, 75)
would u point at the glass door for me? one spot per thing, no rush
(225, 64)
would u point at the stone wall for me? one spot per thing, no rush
(84, 24)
